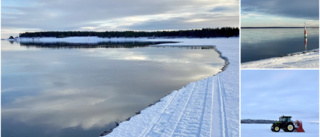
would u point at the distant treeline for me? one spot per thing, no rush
(274, 27)
(257, 121)
(194, 33)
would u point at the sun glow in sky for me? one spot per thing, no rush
(19, 16)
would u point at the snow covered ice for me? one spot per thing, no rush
(209, 107)
(263, 130)
(305, 60)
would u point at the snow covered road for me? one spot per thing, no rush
(207, 108)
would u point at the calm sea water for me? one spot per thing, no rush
(82, 90)
(259, 44)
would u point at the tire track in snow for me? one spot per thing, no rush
(191, 120)
(167, 117)
(183, 111)
(224, 94)
(182, 101)
(204, 107)
(178, 109)
(211, 112)
(205, 129)
(222, 108)
(144, 133)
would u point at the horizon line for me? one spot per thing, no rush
(281, 27)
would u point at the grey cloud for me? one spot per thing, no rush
(73, 14)
(221, 8)
(215, 20)
(290, 8)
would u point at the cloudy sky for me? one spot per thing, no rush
(105, 15)
(283, 13)
(273, 93)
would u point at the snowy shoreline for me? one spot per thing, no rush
(208, 107)
(214, 116)
(105, 133)
(306, 59)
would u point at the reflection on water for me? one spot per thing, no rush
(305, 44)
(133, 44)
(83, 91)
(265, 43)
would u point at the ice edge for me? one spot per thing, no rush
(225, 66)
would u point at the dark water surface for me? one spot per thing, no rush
(257, 44)
(81, 91)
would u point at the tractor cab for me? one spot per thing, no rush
(285, 119)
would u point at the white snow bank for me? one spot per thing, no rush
(209, 107)
(263, 130)
(299, 60)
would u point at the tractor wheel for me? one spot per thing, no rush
(276, 128)
(289, 127)
(272, 128)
